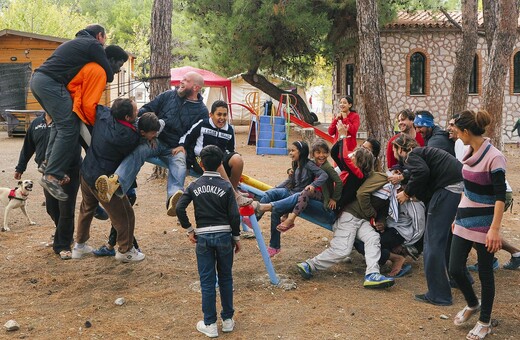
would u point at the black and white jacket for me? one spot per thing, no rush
(215, 206)
(204, 133)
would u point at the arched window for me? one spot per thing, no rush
(417, 74)
(516, 73)
(473, 79)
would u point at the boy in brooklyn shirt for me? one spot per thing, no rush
(217, 238)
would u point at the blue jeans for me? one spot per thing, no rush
(130, 166)
(56, 101)
(276, 197)
(215, 249)
(283, 202)
(440, 215)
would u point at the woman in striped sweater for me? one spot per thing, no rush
(479, 217)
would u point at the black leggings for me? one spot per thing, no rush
(460, 249)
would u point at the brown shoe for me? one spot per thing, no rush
(106, 187)
(172, 203)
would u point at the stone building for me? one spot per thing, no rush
(419, 51)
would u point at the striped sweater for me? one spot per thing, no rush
(484, 184)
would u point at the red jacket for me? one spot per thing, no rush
(352, 120)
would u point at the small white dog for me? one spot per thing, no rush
(15, 198)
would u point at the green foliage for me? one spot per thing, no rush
(42, 17)
(279, 36)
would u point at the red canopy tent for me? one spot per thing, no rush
(210, 80)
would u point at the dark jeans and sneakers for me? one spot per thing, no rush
(215, 252)
(460, 249)
(55, 99)
(62, 214)
(441, 214)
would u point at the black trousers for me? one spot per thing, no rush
(62, 213)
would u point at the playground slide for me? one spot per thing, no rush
(319, 133)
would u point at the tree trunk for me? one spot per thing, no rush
(504, 39)
(160, 55)
(465, 56)
(490, 20)
(372, 79)
(261, 83)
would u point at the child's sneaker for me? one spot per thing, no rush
(273, 251)
(376, 280)
(172, 203)
(228, 325)
(513, 263)
(209, 330)
(106, 187)
(104, 251)
(130, 256)
(305, 270)
(243, 201)
(79, 250)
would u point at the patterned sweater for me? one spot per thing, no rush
(484, 184)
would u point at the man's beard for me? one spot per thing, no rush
(186, 93)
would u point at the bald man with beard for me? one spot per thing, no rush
(177, 111)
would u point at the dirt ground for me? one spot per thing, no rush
(55, 299)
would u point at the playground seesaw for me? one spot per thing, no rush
(257, 189)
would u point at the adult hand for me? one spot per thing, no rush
(17, 175)
(395, 178)
(493, 240)
(178, 149)
(332, 204)
(192, 237)
(237, 246)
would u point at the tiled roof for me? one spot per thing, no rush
(427, 19)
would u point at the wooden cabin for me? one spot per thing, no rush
(23, 52)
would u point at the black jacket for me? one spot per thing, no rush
(112, 141)
(430, 169)
(440, 139)
(178, 114)
(204, 133)
(66, 61)
(214, 202)
(35, 143)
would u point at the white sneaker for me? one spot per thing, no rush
(209, 330)
(79, 250)
(130, 256)
(228, 325)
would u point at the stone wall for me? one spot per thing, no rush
(440, 47)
